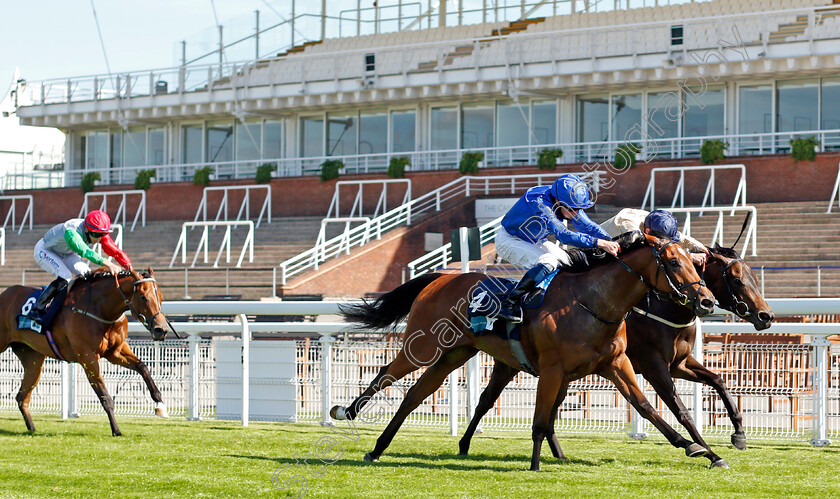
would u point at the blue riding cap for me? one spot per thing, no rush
(663, 224)
(572, 192)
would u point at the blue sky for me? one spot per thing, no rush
(58, 38)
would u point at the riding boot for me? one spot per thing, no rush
(39, 309)
(528, 282)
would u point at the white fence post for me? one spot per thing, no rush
(638, 430)
(698, 387)
(65, 390)
(193, 402)
(72, 393)
(246, 361)
(326, 378)
(820, 437)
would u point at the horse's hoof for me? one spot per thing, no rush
(720, 463)
(117, 433)
(369, 458)
(739, 440)
(695, 450)
(161, 411)
(338, 412)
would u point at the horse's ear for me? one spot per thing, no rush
(151, 272)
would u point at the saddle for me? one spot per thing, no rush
(25, 322)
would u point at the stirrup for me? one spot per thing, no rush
(512, 316)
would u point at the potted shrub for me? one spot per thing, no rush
(625, 156)
(712, 151)
(89, 180)
(804, 148)
(202, 176)
(330, 169)
(549, 158)
(143, 180)
(264, 173)
(470, 162)
(397, 165)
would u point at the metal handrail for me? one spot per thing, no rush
(709, 194)
(357, 210)
(121, 211)
(10, 216)
(204, 242)
(834, 191)
(2, 246)
(440, 257)
(244, 208)
(717, 237)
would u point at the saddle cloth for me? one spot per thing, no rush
(488, 300)
(24, 322)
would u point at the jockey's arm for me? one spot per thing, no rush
(77, 245)
(110, 248)
(563, 234)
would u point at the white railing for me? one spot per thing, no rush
(122, 210)
(346, 240)
(708, 195)
(750, 236)
(834, 191)
(11, 215)
(436, 200)
(117, 236)
(244, 212)
(2, 246)
(357, 209)
(440, 258)
(204, 242)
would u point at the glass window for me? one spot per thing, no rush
(664, 112)
(116, 150)
(544, 122)
(97, 153)
(79, 151)
(477, 125)
(135, 146)
(373, 132)
(593, 118)
(797, 105)
(312, 136)
(513, 126)
(704, 114)
(157, 152)
(247, 141)
(341, 134)
(272, 139)
(444, 128)
(755, 109)
(626, 113)
(191, 141)
(219, 141)
(403, 131)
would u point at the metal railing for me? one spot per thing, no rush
(204, 242)
(357, 209)
(834, 191)
(2, 246)
(11, 215)
(436, 200)
(708, 195)
(717, 237)
(818, 278)
(441, 257)
(346, 240)
(244, 212)
(122, 210)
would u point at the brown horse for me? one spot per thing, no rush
(578, 330)
(92, 324)
(660, 351)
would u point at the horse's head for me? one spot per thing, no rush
(676, 276)
(736, 287)
(145, 304)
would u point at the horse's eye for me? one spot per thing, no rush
(674, 263)
(144, 298)
(738, 281)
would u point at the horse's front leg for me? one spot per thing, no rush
(125, 357)
(621, 373)
(548, 387)
(553, 443)
(90, 363)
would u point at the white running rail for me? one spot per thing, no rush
(717, 237)
(708, 196)
(244, 212)
(117, 237)
(441, 198)
(834, 191)
(10, 215)
(204, 242)
(122, 209)
(441, 257)
(357, 209)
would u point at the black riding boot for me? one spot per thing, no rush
(528, 282)
(39, 309)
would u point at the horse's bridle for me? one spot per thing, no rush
(677, 295)
(739, 304)
(147, 323)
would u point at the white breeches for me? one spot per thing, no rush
(526, 254)
(65, 267)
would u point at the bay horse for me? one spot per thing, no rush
(578, 330)
(92, 324)
(660, 339)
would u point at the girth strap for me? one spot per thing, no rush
(660, 319)
(519, 351)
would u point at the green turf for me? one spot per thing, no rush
(166, 458)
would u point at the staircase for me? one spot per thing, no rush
(799, 26)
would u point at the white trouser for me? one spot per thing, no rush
(65, 267)
(527, 254)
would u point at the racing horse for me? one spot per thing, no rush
(91, 325)
(660, 338)
(578, 330)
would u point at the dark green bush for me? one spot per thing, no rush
(548, 158)
(625, 156)
(712, 151)
(202, 176)
(803, 148)
(330, 169)
(469, 162)
(143, 180)
(397, 165)
(89, 180)
(264, 173)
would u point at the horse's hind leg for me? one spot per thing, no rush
(425, 386)
(33, 363)
(501, 376)
(91, 365)
(126, 358)
(694, 371)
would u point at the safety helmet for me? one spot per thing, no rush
(98, 222)
(572, 192)
(663, 224)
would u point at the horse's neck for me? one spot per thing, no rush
(610, 290)
(108, 298)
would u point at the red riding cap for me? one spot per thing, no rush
(98, 221)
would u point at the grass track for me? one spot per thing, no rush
(177, 458)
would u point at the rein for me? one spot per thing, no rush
(740, 308)
(677, 296)
(147, 323)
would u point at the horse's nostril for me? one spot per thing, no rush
(765, 317)
(707, 303)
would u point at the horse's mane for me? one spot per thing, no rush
(589, 258)
(724, 251)
(91, 277)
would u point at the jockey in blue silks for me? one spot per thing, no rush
(522, 239)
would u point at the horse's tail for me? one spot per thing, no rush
(389, 308)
